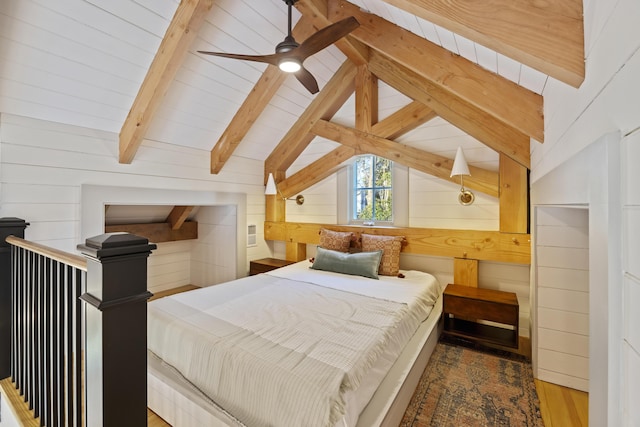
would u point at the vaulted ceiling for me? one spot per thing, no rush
(417, 78)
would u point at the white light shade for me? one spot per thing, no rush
(460, 166)
(289, 65)
(270, 190)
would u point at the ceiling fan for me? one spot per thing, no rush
(290, 54)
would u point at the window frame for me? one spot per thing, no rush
(345, 179)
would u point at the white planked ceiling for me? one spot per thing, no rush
(81, 62)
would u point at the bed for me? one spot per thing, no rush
(294, 346)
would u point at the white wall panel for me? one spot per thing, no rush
(44, 166)
(563, 342)
(213, 257)
(434, 204)
(631, 312)
(319, 204)
(631, 386)
(168, 266)
(574, 368)
(631, 239)
(562, 291)
(563, 278)
(562, 320)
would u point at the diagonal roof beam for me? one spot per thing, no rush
(481, 180)
(547, 36)
(316, 10)
(402, 121)
(326, 103)
(514, 105)
(316, 171)
(182, 30)
(255, 103)
(464, 115)
(178, 216)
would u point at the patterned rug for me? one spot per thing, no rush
(468, 387)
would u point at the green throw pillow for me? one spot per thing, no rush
(358, 264)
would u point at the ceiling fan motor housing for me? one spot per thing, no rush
(287, 45)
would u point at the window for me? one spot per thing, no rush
(372, 195)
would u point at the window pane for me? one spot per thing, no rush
(364, 172)
(364, 206)
(383, 172)
(383, 205)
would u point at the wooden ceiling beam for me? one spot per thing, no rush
(547, 36)
(480, 180)
(182, 30)
(466, 116)
(366, 99)
(178, 216)
(315, 172)
(513, 105)
(255, 103)
(316, 11)
(325, 104)
(404, 120)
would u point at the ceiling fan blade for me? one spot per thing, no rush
(267, 59)
(307, 80)
(326, 37)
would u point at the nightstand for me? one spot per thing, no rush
(465, 306)
(266, 264)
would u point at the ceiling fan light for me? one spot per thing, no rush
(289, 65)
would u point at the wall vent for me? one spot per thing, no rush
(252, 239)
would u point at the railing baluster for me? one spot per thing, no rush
(78, 289)
(15, 307)
(48, 353)
(20, 326)
(30, 331)
(55, 338)
(38, 336)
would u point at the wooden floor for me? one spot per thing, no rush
(562, 406)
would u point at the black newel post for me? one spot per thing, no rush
(8, 227)
(116, 329)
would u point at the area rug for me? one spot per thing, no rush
(469, 387)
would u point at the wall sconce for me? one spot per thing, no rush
(461, 168)
(272, 190)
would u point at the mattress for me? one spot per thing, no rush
(291, 324)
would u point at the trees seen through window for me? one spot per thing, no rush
(373, 189)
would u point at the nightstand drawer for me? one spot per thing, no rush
(477, 309)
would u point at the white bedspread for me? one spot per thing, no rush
(283, 348)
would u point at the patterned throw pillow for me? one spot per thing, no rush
(335, 240)
(391, 247)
